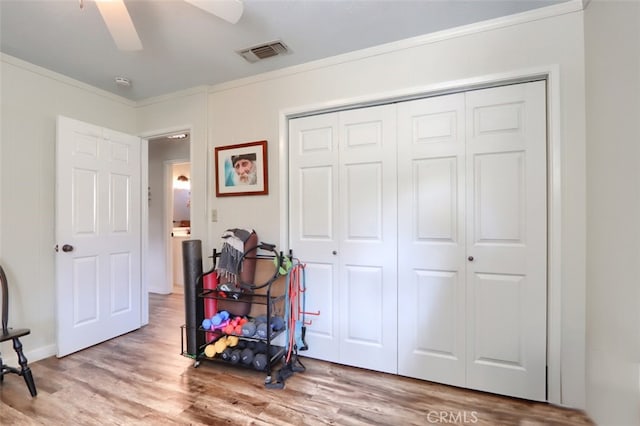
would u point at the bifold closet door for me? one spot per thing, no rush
(343, 226)
(472, 239)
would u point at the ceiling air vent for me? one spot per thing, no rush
(264, 51)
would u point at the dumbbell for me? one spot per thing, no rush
(277, 323)
(260, 361)
(249, 329)
(222, 343)
(247, 356)
(232, 341)
(210, 351)
(219, 346)
(226, 355)
(206, 324)
(219, 318)
(261, 330)
(235, 356)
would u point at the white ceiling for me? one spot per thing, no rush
(184, 47)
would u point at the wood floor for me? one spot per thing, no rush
(141, 378)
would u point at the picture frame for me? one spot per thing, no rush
(242, 169)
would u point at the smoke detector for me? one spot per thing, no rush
(123, 82)
(264, 51)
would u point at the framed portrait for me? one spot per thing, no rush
(241, 169)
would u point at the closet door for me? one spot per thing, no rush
(343, 226)
(313, 213)
(431, 239)
(472, 239)
(506, 240)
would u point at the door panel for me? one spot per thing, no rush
(85, 296)
(316, 204)
(507, 281)
(122, 288)
(313, 145)
(363, 301)
(98, 204)
(368, 241)
(436, 304)
(85, 184)
(363, 202)
(431, 257)
(500, 198)
(435, 198)
(497, 332)
(119, 202)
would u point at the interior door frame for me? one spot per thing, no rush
(144, 222)
(144, 229)
(549, 73)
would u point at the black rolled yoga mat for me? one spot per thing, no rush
(194, 307)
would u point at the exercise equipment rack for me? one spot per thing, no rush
(263, 293)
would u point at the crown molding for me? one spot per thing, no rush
(27, 66)
(196, 90)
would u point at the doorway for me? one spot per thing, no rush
(164, 152)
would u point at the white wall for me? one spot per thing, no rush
(251, 109)
(612, 39)
(31, 99)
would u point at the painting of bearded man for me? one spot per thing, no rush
(241, 169)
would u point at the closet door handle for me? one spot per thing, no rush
(470, 258)
(334, 252)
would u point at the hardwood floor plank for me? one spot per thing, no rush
(141, 378)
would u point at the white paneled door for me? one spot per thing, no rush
(343, 215)
(431, 239)
(367, 222)
(507, 240)
(98, 201)
(472, 239)
(313, 213)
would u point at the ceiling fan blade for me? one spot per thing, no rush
(115, 15)
(229, 10)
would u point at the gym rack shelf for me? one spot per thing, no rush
(269, 294)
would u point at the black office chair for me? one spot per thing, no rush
(13, 334)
